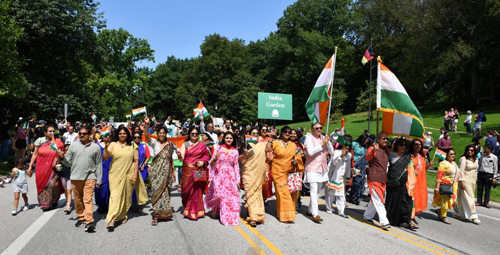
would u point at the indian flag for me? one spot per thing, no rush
(138, 111)
(340, 139)
(199, 112)
(94, 117)
(208, 143)
(106, 131)
(53, 145)
(128, 116)
(440, 154)
(177, 141)
(176, 122)
(319, 100)
(153, 119)
(250, 139)
(400, 116)
(219, 139)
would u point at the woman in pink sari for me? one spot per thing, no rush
(194, 155)
(47, 179)
(222, 195)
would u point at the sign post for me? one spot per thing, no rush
(275, 106)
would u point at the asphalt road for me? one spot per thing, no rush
(36, 232)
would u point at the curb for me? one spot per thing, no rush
(494, 205)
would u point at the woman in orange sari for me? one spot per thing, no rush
(284, 162)
(194, 155)
(417, 156)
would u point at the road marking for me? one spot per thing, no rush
(29, 233)
(262, 238)
(249, 240)
(377, 226)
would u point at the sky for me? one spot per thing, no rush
(178, 28)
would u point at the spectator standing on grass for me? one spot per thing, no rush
(491, 139)
(428, 145)
(4, 139)
(479, 121)
(488, 169)
(468, 121)
(444, 143)
(446, 119)
(455, 120)
(451, 117)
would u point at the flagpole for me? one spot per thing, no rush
(331, 90)
(370, 100)
(377, 97)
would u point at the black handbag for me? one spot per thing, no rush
(447, 189)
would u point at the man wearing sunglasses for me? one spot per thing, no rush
(85, 160)
(378, 159)
(316, 169)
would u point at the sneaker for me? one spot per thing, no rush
(8, 180)
(14, 212)
(385, 226)
(344, 216)
(1, 184)
(369, 221)
(89, 227)
(329, 212)
(26, 207)
(79, 223)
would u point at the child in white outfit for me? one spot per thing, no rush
(339, 169)
(20, 184)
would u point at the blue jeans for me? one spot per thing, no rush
(467, 125)
(4, 149)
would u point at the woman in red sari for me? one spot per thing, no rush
(47, 179)
(194, 155)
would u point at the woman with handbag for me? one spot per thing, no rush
(254, 174)
(194, 155)
(161, 173)
(466, 202)
(283, 163)
(339, 168)
(123, 175)
(445, 193)
(400, 187)
(222, 195)
(299, 168)
(359, 148)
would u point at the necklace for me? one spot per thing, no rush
(121, 144)
(284, 144)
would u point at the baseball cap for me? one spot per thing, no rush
(300, 129)
(42, 121)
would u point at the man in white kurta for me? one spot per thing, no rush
(316, 169)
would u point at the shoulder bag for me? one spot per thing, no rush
(447, 189)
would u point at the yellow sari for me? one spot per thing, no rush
(254, 170)
(281, 166)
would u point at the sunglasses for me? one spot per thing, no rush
(264, 130)
(471, 150)
(194, 134)
(286, 132)
(383, 138)
(255, 133)
(137, 137)
(83, 134)
(318, 128)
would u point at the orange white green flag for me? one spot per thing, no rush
(138, 111)
(94, 117)
(400, 115)
(105, 131)
(200, 111)
(319, 101)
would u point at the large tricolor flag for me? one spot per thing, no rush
(401, 116)
(138, 111)
(368, 55)
(200, 111)
(319, 100)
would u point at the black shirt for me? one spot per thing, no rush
(39, 132)
(4, 132)
(31, 125)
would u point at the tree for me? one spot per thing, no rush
(120, 52)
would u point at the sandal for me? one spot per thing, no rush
(154, 223)
(111, 226)
(414, 225)
(123, 221)
(253, 224)
(445, 220)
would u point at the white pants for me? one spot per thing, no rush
(376, 206)
(315, 188)
(339, 201)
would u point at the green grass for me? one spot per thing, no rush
(6, 168)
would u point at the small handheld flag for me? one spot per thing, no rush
(94, 117)
(138, 111)
(199, 112)
(153, 119)
(128, 116)
(440, 154)
(53, 145)
(106, 131)
(251, 139)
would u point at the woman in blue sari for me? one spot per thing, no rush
(144, 156)
(102, 192)
(359, 148)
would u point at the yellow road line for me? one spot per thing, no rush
(400, 237)
(249, 240)
(262, 238)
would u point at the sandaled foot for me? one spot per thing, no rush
(111, 226)
(445, 220)
(154, 223)
(253, 224)
(124, 221)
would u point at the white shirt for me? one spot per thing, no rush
(468, 119)
(69, 138)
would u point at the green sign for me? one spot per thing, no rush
(275, 106)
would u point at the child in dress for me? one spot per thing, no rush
(20, 184)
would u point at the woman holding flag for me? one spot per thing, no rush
(254, 174)
(48, 186)
(194, 155)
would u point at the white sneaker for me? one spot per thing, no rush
(1, 184)
(8, 180)
(26, 207)
(14, 212)
(328, 211)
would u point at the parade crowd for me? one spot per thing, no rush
(124, 167)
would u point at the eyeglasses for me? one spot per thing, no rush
(194, 134)
(137, 137)
(318, 128)
(83, 134)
